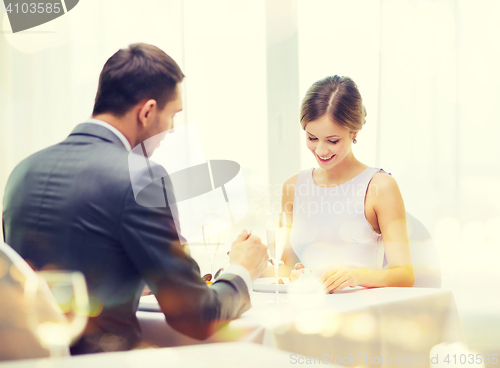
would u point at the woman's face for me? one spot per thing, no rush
(329, 142)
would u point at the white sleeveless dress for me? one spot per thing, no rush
(329, 225)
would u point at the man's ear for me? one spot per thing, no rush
(147, 112)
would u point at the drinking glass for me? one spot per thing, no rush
(211, 229)
(276, 234)
(57, 303)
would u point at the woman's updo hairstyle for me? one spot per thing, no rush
(337, 97)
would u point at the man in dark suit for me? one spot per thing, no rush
(72, 206)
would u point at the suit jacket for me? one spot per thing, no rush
(71, 206)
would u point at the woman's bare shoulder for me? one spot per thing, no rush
(291, 180)
(289, 186)
(384, 192)
(384, 182)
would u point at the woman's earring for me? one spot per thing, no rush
(354, 141)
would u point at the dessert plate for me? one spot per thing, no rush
(268, 285)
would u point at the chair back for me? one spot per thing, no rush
(17, 341)
(424, 254)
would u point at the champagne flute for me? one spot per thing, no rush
(276, 233)
(211, 229)
(58, 308)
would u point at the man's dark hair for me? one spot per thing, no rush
(136, 73)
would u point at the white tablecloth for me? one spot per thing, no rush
(226, 355)
(368, 325)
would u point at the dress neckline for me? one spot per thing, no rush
(336, 186)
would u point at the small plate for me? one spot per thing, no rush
(268, 285)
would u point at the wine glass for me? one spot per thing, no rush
(58, 306)
(276, 233)
(211, 229)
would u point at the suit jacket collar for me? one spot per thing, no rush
(98, 131)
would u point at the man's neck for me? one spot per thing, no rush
(123, 125)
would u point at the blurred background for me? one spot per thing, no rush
(427, 70)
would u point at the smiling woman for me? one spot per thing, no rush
(346, 215)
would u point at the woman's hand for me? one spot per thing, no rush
(338, 278)
(296, 272)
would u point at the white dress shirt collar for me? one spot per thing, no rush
(119, 134)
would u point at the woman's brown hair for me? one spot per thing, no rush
(338, 98)
(139, 72)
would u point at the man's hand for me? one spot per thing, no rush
(248, 251)
(338, 278)
(146, 291)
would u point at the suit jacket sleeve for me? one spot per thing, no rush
(150, 238)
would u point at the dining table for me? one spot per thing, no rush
(223, 355)
(352, 327)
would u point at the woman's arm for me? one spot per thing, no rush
(391, 216)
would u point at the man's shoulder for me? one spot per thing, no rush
(102, 164)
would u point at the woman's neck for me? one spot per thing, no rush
(344, 171)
